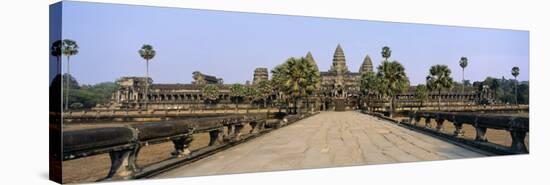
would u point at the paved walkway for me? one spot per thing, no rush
(329, 139)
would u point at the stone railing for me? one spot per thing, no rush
(124, 143)
(517, 126)
(140, 115)
(449, 107)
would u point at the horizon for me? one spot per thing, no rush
(213, 42)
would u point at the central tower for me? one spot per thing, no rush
(339, 62)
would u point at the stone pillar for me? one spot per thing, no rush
(181, 146)
(480, 133)
(416, 119)
(123, 164)
(458, 129)
(439, 126)
(256, 126)
(427, 120)
(518, 141)
(237, 133)
(230, 131)
(216, 137)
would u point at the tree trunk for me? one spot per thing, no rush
(68, 86)
(146, 83)
(439, 100)
(463, 81)
(307, 104)
(392, 108)
(296, 107)
(516, 90)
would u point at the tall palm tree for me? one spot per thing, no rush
(439, 78)
(421, 94)
(392, 80)
(278, 79)
(55, 50)
(463, 64)
(515, 73)
(386, 53)
(68, 48)
(297, 78)
(147, 52)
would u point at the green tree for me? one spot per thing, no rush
(210, 93)
(77, 105)
(265, 89)
(252, 95)
(237, 94)
(421, 94)
(463, 64)
(147, 52)
(523, 93)
(368, 85)
(296, 78)
(392, 80)
(278, 81)
(494, 86)
(386, 53)
(55, 51)
(515, 73)
(68, 48)
(89, 95)
(439, 78)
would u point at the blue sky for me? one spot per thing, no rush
(231, 45)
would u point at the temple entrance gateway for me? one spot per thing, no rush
(339, 104)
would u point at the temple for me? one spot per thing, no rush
(339, 91)
(339, 86)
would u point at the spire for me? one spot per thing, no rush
(309, 58)
(366, 66)
(339, 61)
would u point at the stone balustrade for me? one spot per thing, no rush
(517, 126)
(124, 143)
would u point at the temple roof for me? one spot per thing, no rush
(339, 61)
(366, 66)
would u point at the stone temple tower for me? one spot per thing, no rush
(339, 61)
(260, 74)
(366, 66)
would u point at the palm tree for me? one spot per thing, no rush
(237, 94)
(313, 80)
(515, 73)
(68, 48)
(386, 53)
(55, 50)
(297, 78)
(278, 80)
(421, 94)
(368, 84)
(463, 64)
(392, 80)
(147, 52)
(439, 78)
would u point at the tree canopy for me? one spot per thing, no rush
(147, 52)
